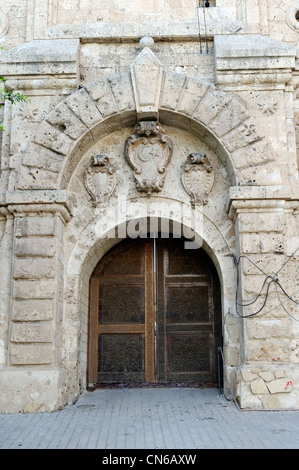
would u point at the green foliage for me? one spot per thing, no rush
(12, 96)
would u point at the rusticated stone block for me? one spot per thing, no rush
(34, 268)
(192, 94)
(261, 222)
(147, 92)
(41, 157)
(37, 246)
(66, 121)
(119, 83)
(36, 178)
(41, 289)
(213, 101)
(32, 332)
(37, 390)
(51, 138)
(83, 106)
(242, 136)
(31, 226)
(101, 94)
(252, 155)
(266, 174)
(257, 243)
(23, 354)
(33, 310)
(229, 117)
(173, 86)
(263, 329)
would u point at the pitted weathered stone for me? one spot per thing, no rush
(66, 121)
(100, 91)
(231, 98)
(173, 86)
(228, 118)
(51, 138)
(84, 107)
(193, 92)
(218, 111)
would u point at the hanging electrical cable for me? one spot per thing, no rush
(202, 4)
(198, 22)
(205, 23)
(269, 279)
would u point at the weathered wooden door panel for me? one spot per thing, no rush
(121, 308)
(154, 314)
(188, 315)
(121, 357)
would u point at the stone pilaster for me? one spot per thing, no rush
(262, 226)
(6, 245)
(36, 307)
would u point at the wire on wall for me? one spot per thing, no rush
(202, 4)
(269, 280)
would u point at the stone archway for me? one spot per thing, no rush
(217, 117)
(92, 245)
(155, 315)
(62, 142)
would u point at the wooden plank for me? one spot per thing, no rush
(122, 281)
(93, 334)
(149, 314)
(121, 328)
(186, 342)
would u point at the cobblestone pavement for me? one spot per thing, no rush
(152, 418)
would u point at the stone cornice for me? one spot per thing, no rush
(260, 198)
(254, 61)
(31, 202)
(133, 32)
(22, 210)
(42, 64)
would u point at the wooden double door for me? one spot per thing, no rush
(154, 315)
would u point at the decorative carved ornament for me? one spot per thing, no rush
(148, 152)
(4, 23)
(100, 179)
(292, 16)
(198, 178)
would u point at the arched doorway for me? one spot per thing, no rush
(155, 315)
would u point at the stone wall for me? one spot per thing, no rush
(29, 19)
(230, 94)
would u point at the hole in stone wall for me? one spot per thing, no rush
(62, 127)
(297, 16)
(206, 3)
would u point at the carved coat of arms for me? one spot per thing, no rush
(198, 178)
(100, 179)
(148, 152)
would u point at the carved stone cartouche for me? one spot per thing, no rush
(100, 179)
(198, 178)
(148, 152)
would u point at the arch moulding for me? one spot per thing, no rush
(101, 234)
(119, 101)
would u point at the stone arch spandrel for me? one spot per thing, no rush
(104, 106)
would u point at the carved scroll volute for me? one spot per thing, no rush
(198, 178)
(148, 152)
(100, 180)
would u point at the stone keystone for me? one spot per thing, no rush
(147, 75)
